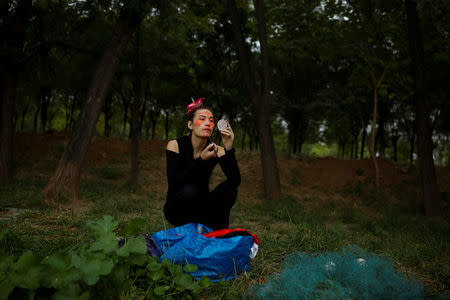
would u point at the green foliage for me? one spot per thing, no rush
(101, 269)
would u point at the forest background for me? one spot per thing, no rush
(296, 79)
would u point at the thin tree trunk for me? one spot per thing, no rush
(107, 114)
(375, 86)
(363, 141)
(24, 113)
(45, 99)
(260, 101)
(381, 137)
(65, 181)
(166, 124)
(126, 104)
(412, 141)
(430, 191)
(135, 105)
(372, 144)
(154, 127)
(352, 147)
(244, 133)
(394, 145)
(36, 115)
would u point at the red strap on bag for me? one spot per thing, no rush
(226, 231)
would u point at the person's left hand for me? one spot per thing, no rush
(227, 137)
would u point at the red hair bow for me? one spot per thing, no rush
(193, 105)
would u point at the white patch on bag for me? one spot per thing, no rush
(253, 251)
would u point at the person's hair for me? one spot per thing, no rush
(191, 115)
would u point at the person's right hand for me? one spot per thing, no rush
(209, 152)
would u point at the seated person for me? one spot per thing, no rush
(190, 162)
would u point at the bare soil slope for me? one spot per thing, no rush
(298, 177)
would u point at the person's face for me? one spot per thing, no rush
(202, 124)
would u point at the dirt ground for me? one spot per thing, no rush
(298, 177)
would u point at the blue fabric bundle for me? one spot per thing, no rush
(350, 274)
(216, 258)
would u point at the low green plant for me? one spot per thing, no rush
(101, 269)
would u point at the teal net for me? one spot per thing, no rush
(349, 274)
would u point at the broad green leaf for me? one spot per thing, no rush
(25, 261)
(161, 290)
(93, 266)
(138, 259)
(27, 271)
(58, 261)
(30, 279)
(61, 279)
(190, 268)
(133, 245)
(184, 281)
(106, 242)
(166, 263)
(155, 276)
(6, 288)
(204, 282)
(175, 269)
(102, 226)
(5, 264)
(154, 266)
(58, 271)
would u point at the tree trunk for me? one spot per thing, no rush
(65, 181)
(412, 141)
(70, 107)
(7, 131)
(372, 144)
(126, 104)
(36, 115)
(24, 113)
(153, 127)
(430, 191)
(12, 32)
(394, 145)
(381, 137)
(352, 147)
(244, 133)
(135, 105)
(166, 125)
(363, 141)
(375, 86)
(260, 101)
(135, 132)
(45, 99)
(107, 114)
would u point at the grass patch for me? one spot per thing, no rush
(110, 172)
(366, 218)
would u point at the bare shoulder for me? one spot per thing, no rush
(220, 151)
(172, 145)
